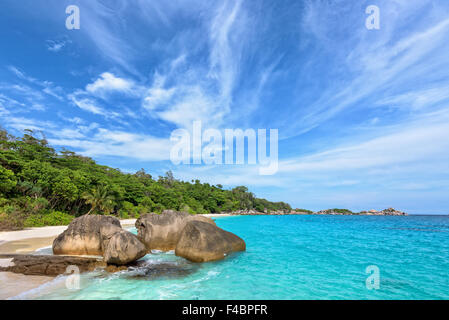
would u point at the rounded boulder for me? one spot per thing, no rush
(83, 236)
(203, 242)
(162, 231)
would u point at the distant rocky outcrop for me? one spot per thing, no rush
(162, 231)
(258, 213)
(335, 212)
(202, 242)
(386, 212)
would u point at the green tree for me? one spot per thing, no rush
(37, 182)
(7, 180)
(99, 199)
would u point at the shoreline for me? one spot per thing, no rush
(29, 241)
(14, 284)
(34, 237)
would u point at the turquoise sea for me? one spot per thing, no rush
(291, 257)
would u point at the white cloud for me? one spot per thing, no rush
(225, 51)
(120, 144)
(108, 82)
(38, 107)
(8, 101)
(191, 104)
(87, 104)
(54, 92)
(157, 96)
(376, 67)
(418, 99)
(392, 160)
(3, 110)
(191, 95)
(399, 152)
(57, 45)
(20, 124)
(47, 86)
(104, 27)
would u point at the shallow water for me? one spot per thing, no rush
(291, 257)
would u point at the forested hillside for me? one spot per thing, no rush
(39, 186)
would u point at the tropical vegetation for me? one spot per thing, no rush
(41, 186)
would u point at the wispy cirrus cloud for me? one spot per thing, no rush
(86, 104)
(57, 45)
(361, 113)
(45, 86)
(200, 92)
(371, 65)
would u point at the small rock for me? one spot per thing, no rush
(122, 248)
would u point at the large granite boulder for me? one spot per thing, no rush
(83, 236)
(120, 247)
(162, 232)
(202, 242)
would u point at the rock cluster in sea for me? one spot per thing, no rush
(195, 238)
(252, 212)
(385, 212)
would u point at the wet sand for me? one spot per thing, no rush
(13, 284)
(25, 246)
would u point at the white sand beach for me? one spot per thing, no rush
(13, 284)
(217, 215)
(44, 232)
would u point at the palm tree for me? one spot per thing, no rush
(99, 198)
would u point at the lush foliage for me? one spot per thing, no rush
(41, 186)
(304, 211)
(342, 211)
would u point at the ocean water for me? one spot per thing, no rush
(291, 257)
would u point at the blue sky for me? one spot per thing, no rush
(362, 114)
